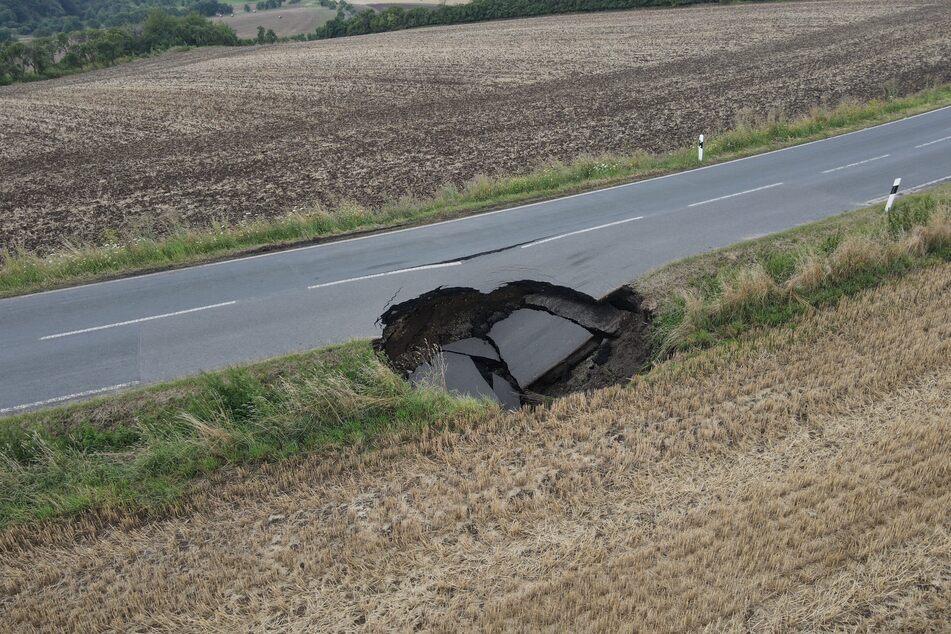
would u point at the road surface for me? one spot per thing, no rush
(96, 339)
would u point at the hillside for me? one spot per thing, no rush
(242, 134)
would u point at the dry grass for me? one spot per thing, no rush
(936, 234)
(658, 286)
(704, 309)
(855, 254)
(751, 287)
(798, 481)
(812, 271)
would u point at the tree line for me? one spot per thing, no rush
(265, 5)
(47, 17)
(65, 53)
(397, 18)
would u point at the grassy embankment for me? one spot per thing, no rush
(796, 271)
(139, 453)
(24, 272)
(796, 482)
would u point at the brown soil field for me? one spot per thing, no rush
(800, 481)
(285, 21)
(227, 135)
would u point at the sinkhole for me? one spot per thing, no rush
(522, 343)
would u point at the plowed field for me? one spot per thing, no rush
(188, 139)
(285, 22)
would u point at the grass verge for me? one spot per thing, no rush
(138, 453)
(24, 272)
(773, 280)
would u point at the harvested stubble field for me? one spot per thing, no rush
(193, 139)
(797, 481)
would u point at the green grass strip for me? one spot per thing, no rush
(138, 452)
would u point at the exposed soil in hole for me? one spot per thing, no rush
(528, 338)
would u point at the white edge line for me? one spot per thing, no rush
(68, 397)
(375, 275)
(478, 215)
(933, 142)
(910, 190)
(574, 233)
(842, 167)
(748, 191)
(135, 321)
(928, 184)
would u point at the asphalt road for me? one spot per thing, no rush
(79, 342)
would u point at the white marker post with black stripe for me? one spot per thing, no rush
(892, 195)
(700, 150)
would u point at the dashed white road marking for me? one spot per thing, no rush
(836, 169)
(574, 233)
(947, 138)
(136, 321)
(748, 191)
(375, 275)
(68, 397)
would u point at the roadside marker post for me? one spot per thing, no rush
(700, 149)
(891, 196)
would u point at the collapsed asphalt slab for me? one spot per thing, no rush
(533, 342)
(518, 344)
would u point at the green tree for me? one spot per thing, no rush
(266, 37)
(13, 61)
(47, 17)
(209, 7)
(52, 56)
(41, 54)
